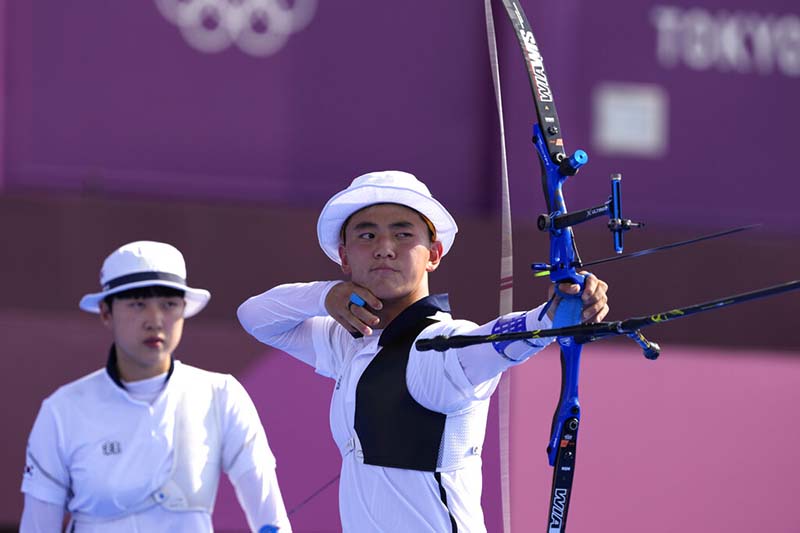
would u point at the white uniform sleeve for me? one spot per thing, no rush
(46, 474)
(248, 460)
(448, 382)
(261, 500)
(41, 517)
(292, 318)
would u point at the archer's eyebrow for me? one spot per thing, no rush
(403, 224)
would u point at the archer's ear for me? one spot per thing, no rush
(343, 257)
(436, 251)
(105, 314)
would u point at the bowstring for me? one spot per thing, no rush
(506, 279)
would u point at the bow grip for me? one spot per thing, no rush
(568, 311)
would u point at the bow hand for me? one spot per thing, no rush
(591, 307)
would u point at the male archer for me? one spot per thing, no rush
(410, 425)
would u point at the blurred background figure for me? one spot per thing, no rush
(140, 444)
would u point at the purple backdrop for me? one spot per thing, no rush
(124, 104)
(110, 97)
(694, 102)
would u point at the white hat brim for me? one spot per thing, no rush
(196, 299)
(345, 203)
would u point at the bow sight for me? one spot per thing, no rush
(612, 207)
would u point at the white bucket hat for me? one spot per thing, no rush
(143, 264)
(387, 187)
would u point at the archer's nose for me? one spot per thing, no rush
(384, 249)
(154, 317)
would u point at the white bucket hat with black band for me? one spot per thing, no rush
(143, 264)
(386, 187)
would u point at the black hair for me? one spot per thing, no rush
(150, 291)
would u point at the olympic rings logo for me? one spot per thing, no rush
(257, 27)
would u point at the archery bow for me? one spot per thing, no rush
(556, 167)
